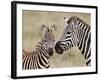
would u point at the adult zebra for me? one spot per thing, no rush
(77, 33)
(39, 58)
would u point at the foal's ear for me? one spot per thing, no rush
(43, 27)
(53, 28)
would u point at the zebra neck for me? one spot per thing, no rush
(40, 48)
(84, 42)
(43, 56)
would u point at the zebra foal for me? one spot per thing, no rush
(76, 33)
(39, 58)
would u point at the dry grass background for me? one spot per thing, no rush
(31, 34)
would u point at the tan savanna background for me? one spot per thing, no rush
(31, 35)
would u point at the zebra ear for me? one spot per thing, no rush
(43, 27)
(53, 27)
(66, 19)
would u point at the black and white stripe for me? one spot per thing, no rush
(39, 59)
(76, 33)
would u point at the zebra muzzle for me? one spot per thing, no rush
(50, 51)
(58, 49)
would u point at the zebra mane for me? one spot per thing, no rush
(77, 19)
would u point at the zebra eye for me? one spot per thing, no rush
(44, 40)
(68, 32)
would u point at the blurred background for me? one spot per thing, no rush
(31, 35)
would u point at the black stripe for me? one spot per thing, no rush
(32, 62)
(45, 54)
(36, 67)
(29, 63)
(41, 63)
(86, 37)
(88, 62)
(83, 26)
(88, 55)
(48, 66)
(43, 58)
(38, 64)
(68, 36)
(26, 61)
(88, 46)
(83, 37)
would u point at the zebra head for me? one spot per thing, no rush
(69, 37)
(48, 39)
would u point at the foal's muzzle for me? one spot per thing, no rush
(50, 51)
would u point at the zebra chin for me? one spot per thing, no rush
(58, 49)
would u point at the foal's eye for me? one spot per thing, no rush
(44, 40)
(51, 30)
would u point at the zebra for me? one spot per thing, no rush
(76, 33)
(39, 58)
